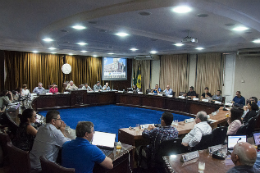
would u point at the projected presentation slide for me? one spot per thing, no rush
(114, 68)
(233, 140)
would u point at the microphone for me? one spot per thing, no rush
(238, 140)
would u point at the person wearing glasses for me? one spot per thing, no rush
(168, 90)
(85, 155)
(48, 141)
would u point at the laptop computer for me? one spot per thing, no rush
(232, 140)
(104, 141)
(256, 136)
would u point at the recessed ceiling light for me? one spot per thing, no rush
(94, 55)
(153, 52)
(199, 48)
(178, 44)
(240, 28)
(133, 49)
(256, 41)
(70, 53)
(79, 27)
(83, 51)
(52, 48)
(47, 39)
(35, 51)
(82, 43)
(181, 9)
(122, 34)
(111, 53)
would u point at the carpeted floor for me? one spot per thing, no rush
(110, 118)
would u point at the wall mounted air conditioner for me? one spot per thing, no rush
(249, 52)
(147, 57)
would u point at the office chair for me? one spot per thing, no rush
(242, 130)
(219, 135)
(251, 126)
(206, 141)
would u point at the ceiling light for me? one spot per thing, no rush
(35, 51)
(256, 41)
(199, 48)
(181, 9)
(153, 52)
(78, 27)
(178, 44)
(110, 53)
(52, 48)
(47, 39)
(82, 43)
(133, 49)
(83, 51)
(94, 55)
(240, 28)
(70, 53)
(122, 34)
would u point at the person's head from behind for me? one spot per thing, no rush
(39, 85)
(206, 90)
(86, 85)
(167, 87)
(85, 129)
(98, 83)
(254, 99)
(24, 86)
(71, 82)
(218, 92)
(244, 154)
(28, 116)
(166, 119)
(238, 93)
(252, 106)
(236, 114)
(53, 117)
(191, 88)
(156, 86)
(201, 116)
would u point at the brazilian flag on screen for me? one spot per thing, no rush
(139, 77)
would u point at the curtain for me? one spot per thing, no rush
(174, 72)
(29, 68)
(145, 72)
(209, 72)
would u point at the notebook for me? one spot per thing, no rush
(233, 140)
(104, 140)
(256, 136)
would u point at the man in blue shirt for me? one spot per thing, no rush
(156, 90)
(239, 100)
(168, 90)
(81, 154)
(39, 89)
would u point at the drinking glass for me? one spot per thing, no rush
(201, 166)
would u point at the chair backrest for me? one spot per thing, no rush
(251, 125)
(242, 130)
(219, 135)
(223, 99)
(181, 93)
(257, 124)
(205, 142)
(4, 140)
(52, 167)
(81, 85)
(173, 94)
(19, 160)
(148, 91)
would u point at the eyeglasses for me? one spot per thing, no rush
(57, 118)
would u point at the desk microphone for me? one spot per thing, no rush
(238, 140)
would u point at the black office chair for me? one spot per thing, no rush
(206, 141)
(219, 135)
(251, 126)
(242, 130)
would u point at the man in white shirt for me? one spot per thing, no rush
(106, 87)
(49, 139)
(86, 87)
(168, 90)
(200, 129)
(71, 86)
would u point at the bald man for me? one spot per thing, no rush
(168, 90)
(244, 157)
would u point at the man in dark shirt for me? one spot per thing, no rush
(191, 94)
(159, 134)
(239, 100)
(244, 157)
(206, 94)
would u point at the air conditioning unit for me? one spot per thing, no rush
(249, 52)
(147, 57)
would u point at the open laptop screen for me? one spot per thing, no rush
(103, 139)
(233, 140)
(257, 138)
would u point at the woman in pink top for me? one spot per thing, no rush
(234, 121)
(54, 89)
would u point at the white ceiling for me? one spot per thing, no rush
(24, 23)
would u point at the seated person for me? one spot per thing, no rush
(106, 87)
(39, 89)
(168, 90)
(49, 139)
(159, 134)
(136, 89)
(217, 97)
(25, 91)
(201, 128)
(86, 87)
(54, 89)
(17, 94)
(244, 158)
(71, 86)
(25, 133)
(206, 94)
(156, 90)
(239, 100)
(97, 86)
(252, 107)
(234, 121)
(191, 94)
(85, 155)
(4, 99)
